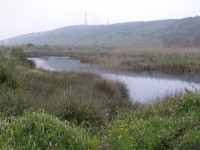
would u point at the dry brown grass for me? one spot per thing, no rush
(159, 59)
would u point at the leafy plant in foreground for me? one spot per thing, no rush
(36, 130)
(179, 129)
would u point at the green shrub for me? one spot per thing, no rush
(11, 103)
(35, 130)
(112, 88)
(10, 88)
(179, 129)
(7, 76)
(29, 45)
(19, 54)
(8, 79)
(73, 97)
(83, 114)
(190, 102)
(190, 141)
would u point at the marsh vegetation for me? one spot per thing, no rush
(54, 110)
(155, 85)
(163, 60)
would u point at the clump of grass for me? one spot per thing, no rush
(75, 96)
(10, 88)
(11, 102)
(176, 127)
(18, 53)
(83, 114)
(112, 88)
(7, 77)
(37, 130)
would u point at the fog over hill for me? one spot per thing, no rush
(175, 32)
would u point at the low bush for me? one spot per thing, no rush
(10, 88)
(37, 130)
(179, 129)
(11, 103)
(74, 96)
(190, 102)
(7, 76)
(18, 54)
(112, 88)
(83, 114)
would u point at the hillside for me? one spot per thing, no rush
(176, 32)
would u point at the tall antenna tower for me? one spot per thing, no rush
(85, 18)
(108, 21)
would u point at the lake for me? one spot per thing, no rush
(142, 87)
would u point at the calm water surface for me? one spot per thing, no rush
(142, 87)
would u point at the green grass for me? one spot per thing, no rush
(37, 130)
(173, 124)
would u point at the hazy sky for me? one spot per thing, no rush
(25, 16)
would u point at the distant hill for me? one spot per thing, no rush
(174, 32)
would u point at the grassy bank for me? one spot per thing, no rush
(52, 110)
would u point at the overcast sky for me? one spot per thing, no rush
(25, 16)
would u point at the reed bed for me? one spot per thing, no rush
(164, 60)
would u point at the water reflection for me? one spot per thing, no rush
(146, 89)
